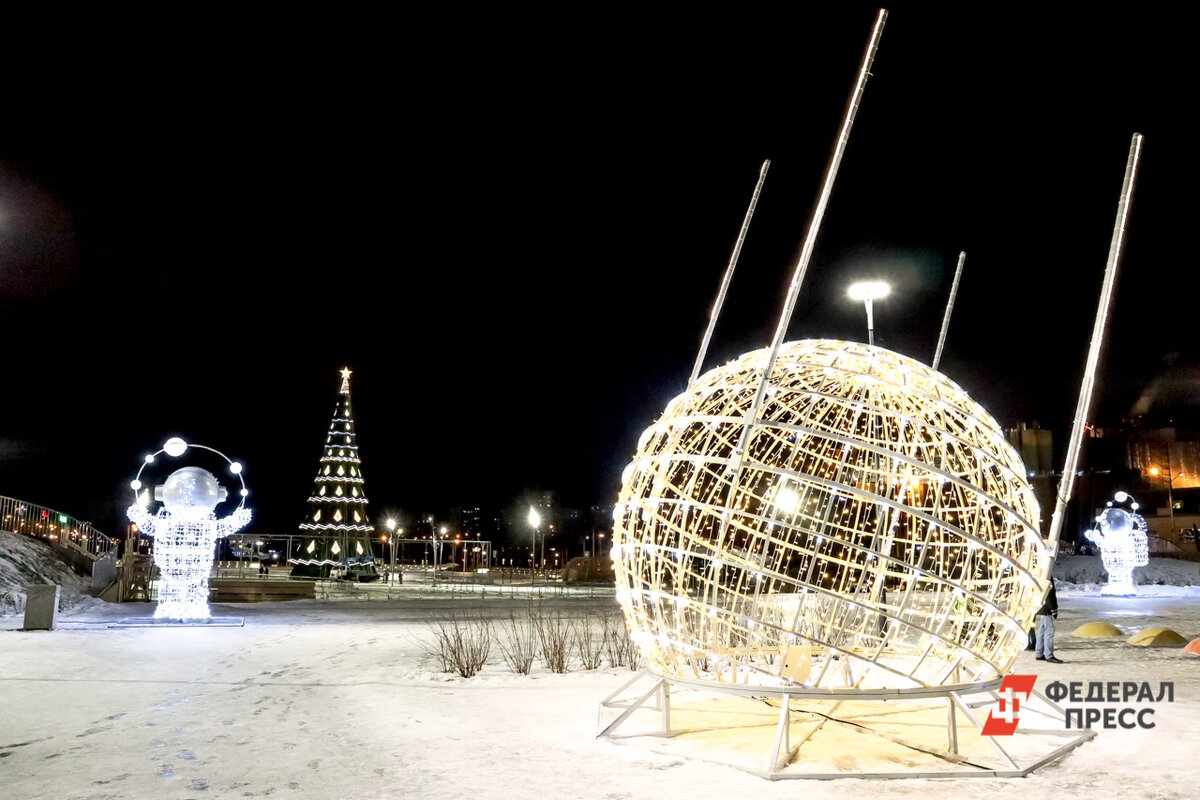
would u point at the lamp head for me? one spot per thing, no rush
(868, 290)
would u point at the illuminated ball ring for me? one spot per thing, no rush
(878, 532)
(176, 447)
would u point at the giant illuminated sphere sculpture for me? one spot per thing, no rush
(873, 530)
(185, 532)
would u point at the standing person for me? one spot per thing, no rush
(1044, 646)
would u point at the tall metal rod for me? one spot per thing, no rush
(1066, 486)
(733, 259)
(937, 356)
(814, 227)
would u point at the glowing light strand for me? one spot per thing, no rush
(337, 525)
(879, 520)
(1122, 538)
(185, 531)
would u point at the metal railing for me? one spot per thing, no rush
(426, 587)
(59, 529)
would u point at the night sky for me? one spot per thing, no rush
(511, 228)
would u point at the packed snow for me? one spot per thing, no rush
(326, 699)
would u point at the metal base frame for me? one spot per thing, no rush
(820, 710)
(151, 622)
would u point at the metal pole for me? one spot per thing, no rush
(937, 356)
(870, 304)
(810, 239)
(1066, 486)
(733, 259)
(814, 226)
(1170, 484)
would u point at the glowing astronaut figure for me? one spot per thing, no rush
(185, 532)
(1123, 546)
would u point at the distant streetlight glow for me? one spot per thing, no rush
(1170, 479)
(868, 292)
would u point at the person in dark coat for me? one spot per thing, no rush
(1044, 645)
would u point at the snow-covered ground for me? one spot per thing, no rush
(321, 699)
(26, 560)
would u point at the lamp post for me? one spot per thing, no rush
(535, 521)
(869, 292)
(391, 536)
(601, 535)
(441, 535)
(395, 542)
(1171, 476)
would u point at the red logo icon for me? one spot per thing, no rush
(1014, 689)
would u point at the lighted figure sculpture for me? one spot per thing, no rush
(1121, 537)
(879, 531)
(185, 532)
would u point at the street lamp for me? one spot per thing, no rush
(1170, 500)
(391, 526)
(869, 292)
(535, 521)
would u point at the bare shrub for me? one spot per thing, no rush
(461, 646)
(436, 649)
(589, 644)
(554, 638)
(618, 645)
(518, 640)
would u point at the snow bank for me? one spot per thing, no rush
(26, 560)
(1162, 576)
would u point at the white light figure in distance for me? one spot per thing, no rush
(185, 532)
(1122, 547)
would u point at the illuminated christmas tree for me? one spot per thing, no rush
(336, 531)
